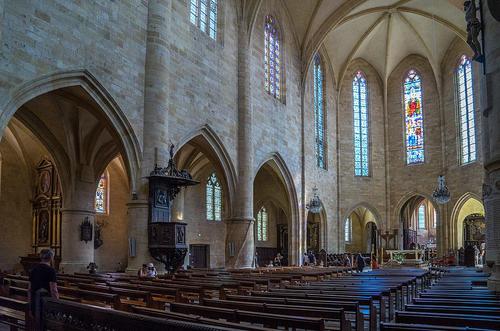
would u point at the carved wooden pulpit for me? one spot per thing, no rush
(167, 240)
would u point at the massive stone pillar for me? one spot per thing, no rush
(491, 144)
(155, 124)
(240, 244)
(78, 207)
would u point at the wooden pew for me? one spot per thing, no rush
(331, 314)
(14, 313)
(62, 315)
(470, 310)
(366, 300)
(461, 320)
(77, 295)
(193, 318)
(352, 307)
(127, 296)
(236, 315)
(422, 327)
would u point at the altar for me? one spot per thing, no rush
(411, 256)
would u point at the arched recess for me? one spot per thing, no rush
(468, 204)
(405, 215)
(360, 215)
(115, 118)
(204, 209)
(275, 164)
(321, 220)
(206, 140)
(81, 127)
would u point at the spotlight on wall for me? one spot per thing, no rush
(314, 205)
(441, 194)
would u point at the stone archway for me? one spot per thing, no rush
(83, 129)
(419, 222)
(468, 204)
(205, 157)
(276, 168)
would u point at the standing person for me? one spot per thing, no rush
(305, 259)
(42, 276)
(347, 261)
(360, 262)
(374, 262)
(312, 258)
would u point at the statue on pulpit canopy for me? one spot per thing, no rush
(473, 29)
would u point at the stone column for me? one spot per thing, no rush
(78, 205)
(491, 143)
(76, 254)
(155, 124)
(240, 244)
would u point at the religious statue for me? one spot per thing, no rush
(43, 228)
(473, 29)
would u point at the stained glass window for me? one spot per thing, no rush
(421, 216)
(414, 120)
(101, 195)
(262, 224)
(213, 199)
(348, 230)
(272, 64)
(360, 110)
(319, 113)
(466, 111)
(203, 14)
(434, 221)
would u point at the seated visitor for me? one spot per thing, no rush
(277, 260)
(143, 272)
(151, 272)
(42, 276)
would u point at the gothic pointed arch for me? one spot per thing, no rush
(80, 78)
(207, 141)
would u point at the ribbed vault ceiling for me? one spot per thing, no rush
(382, 32)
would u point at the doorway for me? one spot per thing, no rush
(199, 256)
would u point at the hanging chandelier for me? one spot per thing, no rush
(441, 194)
(314, 205)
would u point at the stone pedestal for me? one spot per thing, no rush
(240, 243)
(76, 254)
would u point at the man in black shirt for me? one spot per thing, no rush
(43, 276)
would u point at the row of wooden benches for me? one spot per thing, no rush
(458, 301)
(315, 305)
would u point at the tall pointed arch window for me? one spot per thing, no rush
(360, 110)
(466, 111)
(203, 14)
(414, 120)
(213, 198)
(262, 224)
(421, 216)
(319, 113)
(272, 58)
(348, 230)
(102, 195)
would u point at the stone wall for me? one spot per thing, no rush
(112, 255)
(108, 39)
